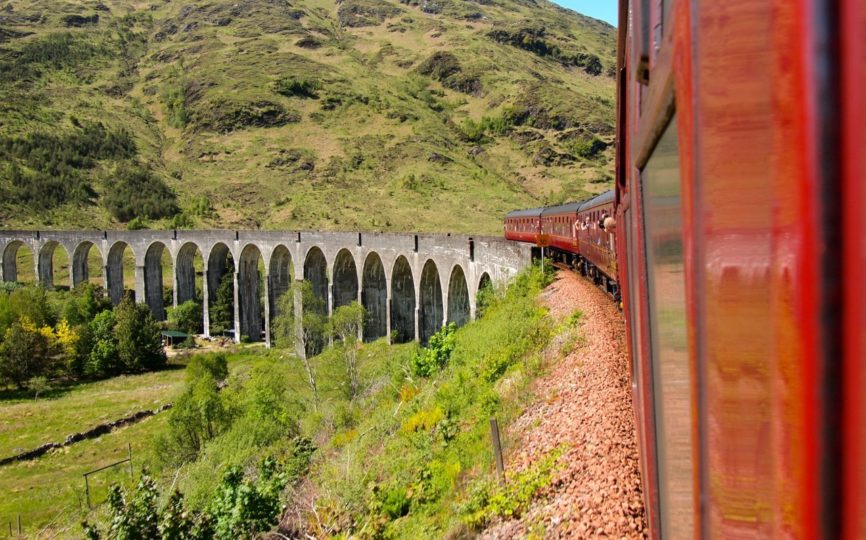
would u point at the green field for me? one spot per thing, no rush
(26, 423)
(48, 493)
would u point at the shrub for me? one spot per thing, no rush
(434, 357)
(198, 416)
(186, 317)
(487, 500)
(588, 148)
(215, 365)
(297, 87)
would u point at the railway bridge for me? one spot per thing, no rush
(410, 284)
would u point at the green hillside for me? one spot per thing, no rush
(436, 115)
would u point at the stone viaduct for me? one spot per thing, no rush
(410, 284)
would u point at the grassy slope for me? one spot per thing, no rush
(423, 440)
(49, 491)
(375, 144)
(27, 423)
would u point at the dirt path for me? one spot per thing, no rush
(584, 402)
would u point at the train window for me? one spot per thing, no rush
(666, 298)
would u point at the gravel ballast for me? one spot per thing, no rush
(583, 404)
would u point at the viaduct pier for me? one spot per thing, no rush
(410, 284)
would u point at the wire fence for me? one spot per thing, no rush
(90, 491)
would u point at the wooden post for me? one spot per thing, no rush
(87, 491)
(497, 450)
(129, 456)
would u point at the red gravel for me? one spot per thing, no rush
(584, 402)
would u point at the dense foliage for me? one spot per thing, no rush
(222, 310)
(242, 507)
(134, 191)
(74, 334)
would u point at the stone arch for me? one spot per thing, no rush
(185, 272)
(249, 293)
(402, 301)
(81, 262)
(46, 267)
(431, 310)
(114, 271)
(374, 297)
(485, 285)
(280, 273)
(458, 297)
(12, 258)
(154, 284)
(219, 265)
(345, 279)
(316, 272)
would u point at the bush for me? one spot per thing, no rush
(241, 507)
(215, 365)
(297, 87)
(434, 357)
(186, 317)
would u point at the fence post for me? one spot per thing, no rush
(87, 491)
(129, 455)
(497, 449)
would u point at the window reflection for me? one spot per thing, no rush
(668, 334)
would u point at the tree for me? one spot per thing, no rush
(30, 302)
(198, 416)
(308, 334)
(87, 300)
(28, 351)
(346, 324)
(139, 340)
(222, 312)
(186, 317)
(102, 358)
(200, 413)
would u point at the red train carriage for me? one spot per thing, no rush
(558, 225)
(523, 225)
(741, 189)
(597, 241)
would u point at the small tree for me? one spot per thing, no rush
(28, 351)
(222, 312)
(102, 358)
(347, 324)
(87, 300)
(308, 334)
(139, 341)
(186, 317)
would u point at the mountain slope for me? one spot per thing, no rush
(436, 115)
